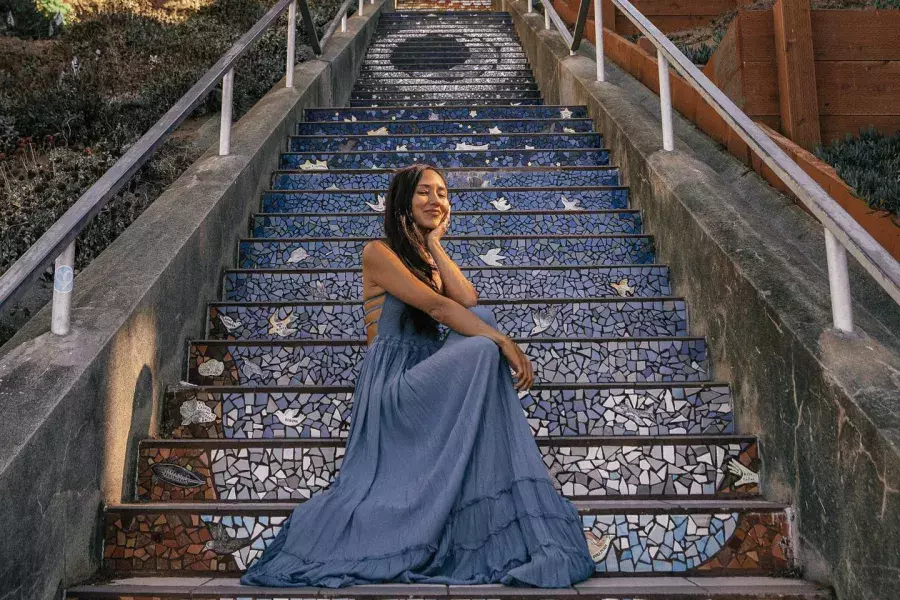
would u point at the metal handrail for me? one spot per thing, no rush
(842, 232)
(58, 242)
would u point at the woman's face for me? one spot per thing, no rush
(430, 202)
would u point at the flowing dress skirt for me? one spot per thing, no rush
(442, 481)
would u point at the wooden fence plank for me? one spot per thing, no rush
(760, 85)
(757, 36)
(834, 127)
(858, 87)
(796, 72)
(856, 34)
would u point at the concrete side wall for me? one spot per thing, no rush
(752, 266)
(74, 408)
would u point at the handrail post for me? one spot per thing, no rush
(530, 6)
(359, 11)
(665, 101)
(839, 284)
(291, 41)
(598, 40)
(63, 282)
(225, 125)
(344, 23)
(546, 18)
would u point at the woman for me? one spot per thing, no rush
(442, 481)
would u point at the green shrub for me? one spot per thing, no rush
(870, 164)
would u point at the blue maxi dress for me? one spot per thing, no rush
(442, 481)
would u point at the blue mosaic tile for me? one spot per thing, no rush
(446, 158)
(565, 177)
(444, 113)
(483, 199)
(294, 470)
(621, 318)
(343, 253)
(481, 126)
(577, 282)
(397, 143)
(295, 363)
(496, 223)
(356, 103)
(620, 411)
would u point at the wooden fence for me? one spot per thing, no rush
(668, 15)
(758, 95)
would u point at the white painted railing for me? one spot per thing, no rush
(57, 245)
(842, 232)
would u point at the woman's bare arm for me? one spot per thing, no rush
(456, 286)
(386, 269)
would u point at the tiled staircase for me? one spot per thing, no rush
(631, 422)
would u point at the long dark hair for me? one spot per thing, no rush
(401, 232)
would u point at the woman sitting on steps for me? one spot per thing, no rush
(442, 481)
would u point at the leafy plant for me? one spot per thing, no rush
(870, 164)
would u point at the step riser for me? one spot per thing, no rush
(462, 200)
(510, 252)
(376, 83)
(378, 89)
(646, 281)
(447, 113)
(450, 142)
(439, 94)
(445, 158)
(440, 102)
(736, 543)
(438, 127)
(553, 412)
(322, 180)
(294, 470)
(267, 364)
(498, 223)
(602, 319)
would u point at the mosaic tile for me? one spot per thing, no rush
(447, 158)
(494, 223)
(375, 142)
(670, 543)
(726, 543)
(296, 469)
(470, 252)
(580, 282)
(467, 178)
(176, 542)
(483, 199)
(481, 126)
(637, 318)
(356, 103)
(297, 363)
(572, 411)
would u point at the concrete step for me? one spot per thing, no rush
(412, 40)
(445, 113)
(463, 199)
(371, 224)
(709, 537)
(603, 317)
(470, 251)
(552, 410)
(458, 141)
(457, 177)
(672, 587)
(336, 362)
(393, 159)
(582, 467)
(473, 126)
(437, 63)
(582, 281)
(408, 49)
